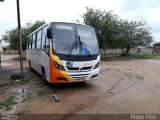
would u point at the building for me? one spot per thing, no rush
(156, 48)
(3, 44)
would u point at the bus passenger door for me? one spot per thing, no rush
(45, 53)
(47, 59)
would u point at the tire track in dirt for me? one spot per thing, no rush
(109, 92)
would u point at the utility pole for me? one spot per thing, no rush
(0, 59)
(0, 53)
(19, 37)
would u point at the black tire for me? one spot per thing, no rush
(44, 77)
(30, 67)
(43, 74)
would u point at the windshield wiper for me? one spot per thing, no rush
(72, 47)
(77, 37)
(83, 44)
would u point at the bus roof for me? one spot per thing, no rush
(38, 29)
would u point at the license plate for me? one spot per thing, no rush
(80, 79)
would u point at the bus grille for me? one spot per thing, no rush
(74, 68)
(79, 76)
(79, 69)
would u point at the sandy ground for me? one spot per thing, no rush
(131, 86)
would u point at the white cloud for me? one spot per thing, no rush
(155, 17)
(70, 10)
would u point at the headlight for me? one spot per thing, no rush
(58, 66)
(97, 65)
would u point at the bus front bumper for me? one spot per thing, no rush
(85, 75)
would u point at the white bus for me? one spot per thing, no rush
(64, 52)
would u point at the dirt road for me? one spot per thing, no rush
(131, 86)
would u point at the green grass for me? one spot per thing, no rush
(147, 56)
(7, 103)
(139, 77)
(22, 81)
(6, 81)
(130, 57)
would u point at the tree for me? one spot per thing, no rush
(133, 34)
(1, 0)
(12, 37)
(94, 18)
(157, 44)
(104, 23)
(114, 32)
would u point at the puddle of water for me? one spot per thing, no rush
(7, 60)
(5, 64)
(20, 93)
(152, 60)
(21, 90)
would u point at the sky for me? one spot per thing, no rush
(71, 10)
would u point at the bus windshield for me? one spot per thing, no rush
(74, 39)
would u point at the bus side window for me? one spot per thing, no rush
(34, 41)
(28, 41)
(47, 45)
(29, 44)
(44, 33)
(30, 47)
(39, 39)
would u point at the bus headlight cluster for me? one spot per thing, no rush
(97, 65)
(58, 66)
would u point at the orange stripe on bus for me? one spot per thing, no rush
(54, 72)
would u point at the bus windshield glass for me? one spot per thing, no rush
(74, 39)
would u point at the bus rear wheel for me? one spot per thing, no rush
(43, 74)
(30, 67)
(44, 77)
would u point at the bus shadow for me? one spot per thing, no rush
(62, 86)
(71, 86)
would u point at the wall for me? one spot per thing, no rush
(141, 50)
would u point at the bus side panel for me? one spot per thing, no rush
(39, 59)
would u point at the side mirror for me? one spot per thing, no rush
(49, 33)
